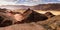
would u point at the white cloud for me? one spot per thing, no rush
(24, 2)
(6, 2)
(29, 2)
(14, 2)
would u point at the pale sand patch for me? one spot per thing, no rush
(54, 12)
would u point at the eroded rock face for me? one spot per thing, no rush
(5, 20)
(27, 17)
(9, 18)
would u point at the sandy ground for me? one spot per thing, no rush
(24, 27)
(54, 12)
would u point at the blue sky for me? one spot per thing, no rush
(51, 1)
(27, 2)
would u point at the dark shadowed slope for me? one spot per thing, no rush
(34, 16)
(6, 20)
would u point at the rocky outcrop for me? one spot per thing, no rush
(5, 20)
(34, 16)
(3, 10)
(49, 14)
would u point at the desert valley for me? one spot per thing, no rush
(38, 17)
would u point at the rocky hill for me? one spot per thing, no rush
(33, 21)
(34, 16)
(47, 7)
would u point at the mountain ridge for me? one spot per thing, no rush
(36, 7)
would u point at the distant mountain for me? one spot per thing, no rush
(14, 6)
(36, 7)
(48, 7)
